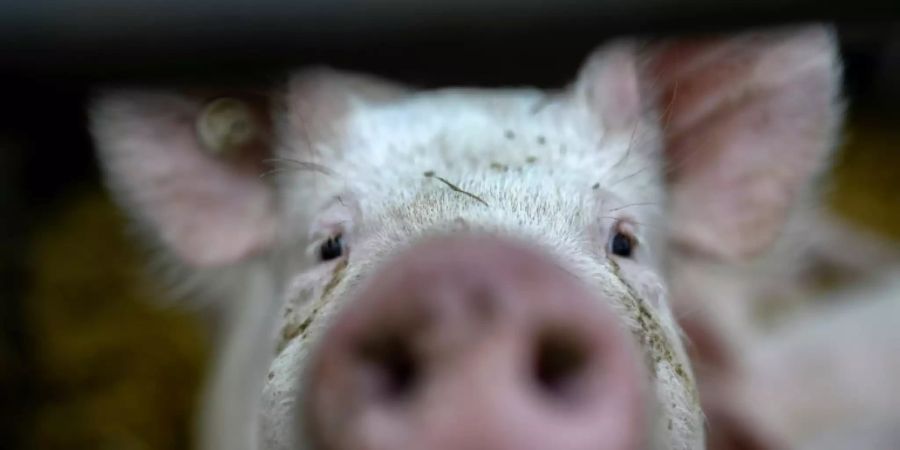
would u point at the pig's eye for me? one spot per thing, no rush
(332, 248)
(622, 242)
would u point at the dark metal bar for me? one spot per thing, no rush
(100, 38)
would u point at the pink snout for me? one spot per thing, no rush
(475, 342)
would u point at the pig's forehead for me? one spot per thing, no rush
(489, 136)
(465, 125)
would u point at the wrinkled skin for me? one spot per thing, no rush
(699, 144)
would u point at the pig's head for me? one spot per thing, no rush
(480, 268)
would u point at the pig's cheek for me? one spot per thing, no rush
(281, 397)
(282, 389)
(647, 284)
(304, 297)
(295, 319)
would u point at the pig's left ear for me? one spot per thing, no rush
(747, 121)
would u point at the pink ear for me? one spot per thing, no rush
(207, 206)
(608, 82)
(319, 99)
(748, 121)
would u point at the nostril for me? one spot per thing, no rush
(390, 367)
(561, 364)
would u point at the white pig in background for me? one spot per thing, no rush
(466, 268)
(787, 360)
(830, 380)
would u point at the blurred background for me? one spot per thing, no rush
(92, 356)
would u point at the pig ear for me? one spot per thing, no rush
(187, 167)
(608, 84)
(320, 99)
(748, 121)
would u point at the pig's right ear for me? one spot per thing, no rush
(187, 167)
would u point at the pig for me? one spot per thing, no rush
(780, 303)
(842, 394)
(463, 267)
(817, 250)
(827, 378)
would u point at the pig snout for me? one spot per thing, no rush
(475, 342)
